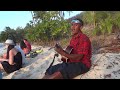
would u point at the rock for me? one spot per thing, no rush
(35, 69)
(105, 66)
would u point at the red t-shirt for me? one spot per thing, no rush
(81, 45)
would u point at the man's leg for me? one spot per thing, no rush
(73, 69)
(66, 71)
(54, 72)
(56, 75)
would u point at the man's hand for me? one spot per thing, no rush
(59, 49)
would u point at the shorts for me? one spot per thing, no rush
(68, 70)
(9, 68)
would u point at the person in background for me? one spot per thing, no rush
(27, 44)
(18, 48)
(23, 54)
(25, 47)
(13, 59)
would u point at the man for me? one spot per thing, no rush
(79, 59)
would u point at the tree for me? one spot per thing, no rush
(49, 25)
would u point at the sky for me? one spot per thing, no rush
(15, 19)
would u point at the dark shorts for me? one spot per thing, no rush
(9, 68)
(68, 70)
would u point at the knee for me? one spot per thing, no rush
(56, 75)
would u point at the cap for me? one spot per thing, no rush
(10, 42)
(75, 21)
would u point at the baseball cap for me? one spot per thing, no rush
(77, 21)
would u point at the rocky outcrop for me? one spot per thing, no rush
(104, 66)
(34, 68)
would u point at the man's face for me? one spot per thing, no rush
(75, 27)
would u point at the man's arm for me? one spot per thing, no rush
(70, 56)
(73, 56)
(82, 50)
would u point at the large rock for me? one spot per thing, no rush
(35, 68)
(104, 66)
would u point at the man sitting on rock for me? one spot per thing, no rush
(79, 60)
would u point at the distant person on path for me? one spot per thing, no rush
(13, 59)
(79, 60)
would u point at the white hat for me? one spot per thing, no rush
(10, 42)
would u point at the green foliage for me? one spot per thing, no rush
(103, 21)
(49, 25)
